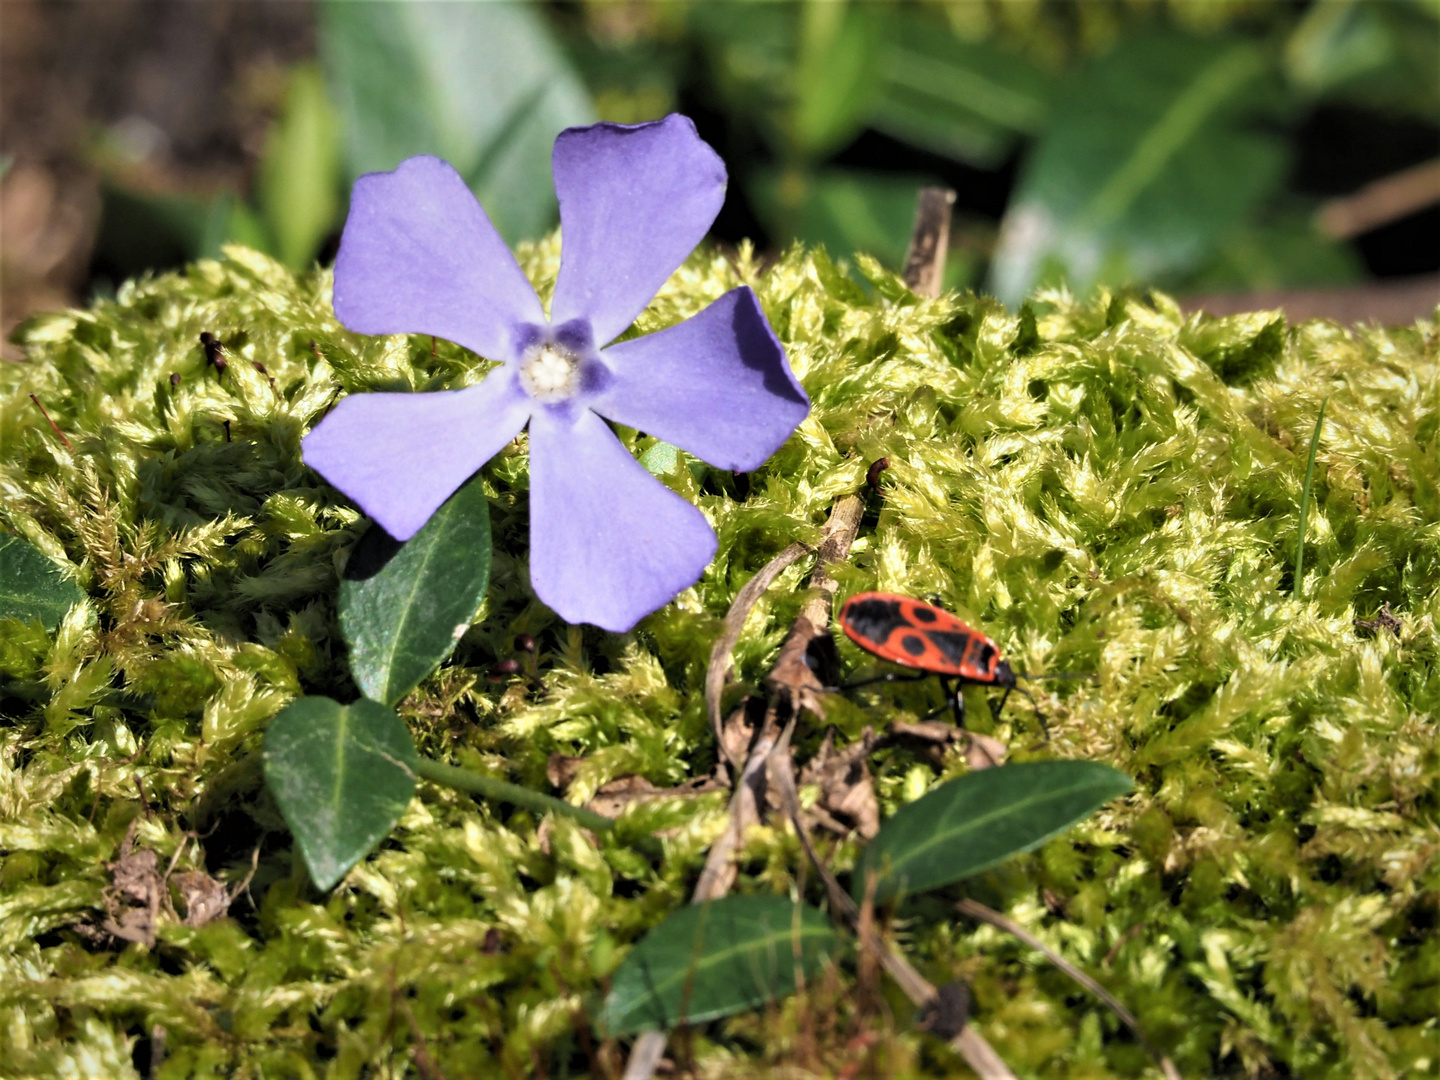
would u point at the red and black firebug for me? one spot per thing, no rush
(932, 641)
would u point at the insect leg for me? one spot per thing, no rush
(1003, 698)
(1038, 714)
(889, 676)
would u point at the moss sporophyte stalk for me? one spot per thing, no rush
(1094, 498)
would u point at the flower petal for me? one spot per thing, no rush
(608, 542)
(634, 202)
(400, 456)
(419, 256)
(717, 385)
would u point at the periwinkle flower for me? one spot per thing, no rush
(609, 543)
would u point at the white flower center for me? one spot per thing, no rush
(550, 372)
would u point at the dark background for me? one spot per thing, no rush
(139, 134)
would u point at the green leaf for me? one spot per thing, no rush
(404, 606)
(140, 231)
(836, 76)
(482, 85)
(1377, 55)
(714, 959)
(32, 587)
(1148, 161)
(300, 172)
(979, 820)
(967, 101)
(342, 774)
(1286, 251)
(661, 458)
(847, 210)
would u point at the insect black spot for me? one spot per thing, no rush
(874, 620)
(984, 653)
(912, 645)
(951, 645)
(923, 614)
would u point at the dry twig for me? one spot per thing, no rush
(929, 239)
(749, 791)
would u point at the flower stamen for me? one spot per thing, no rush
(550, 372)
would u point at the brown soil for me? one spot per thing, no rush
(170, 95)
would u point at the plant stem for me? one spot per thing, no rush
(1305, 501)
(502, 791)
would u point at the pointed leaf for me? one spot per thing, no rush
(300, 172)
(715, 959)
(404, 606)
(981, 819)
(32, 586)
(342, 774)
(1152, 155)
(966, 100)
(485, 86)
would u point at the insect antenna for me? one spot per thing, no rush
(1034, 705)
(1056, 675)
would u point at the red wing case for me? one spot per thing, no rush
(918, 635)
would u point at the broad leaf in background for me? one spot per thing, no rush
(1376, 53)
(836, 75)
(984, 817)
(342, 775)
(1150, 157)
(847, 210)
(714, 959)
(1336, 41)
(1286, 251)
(482, 85)
(751, 52)
(32, 587)
(404, 606)
(966, 100)
(300, 173)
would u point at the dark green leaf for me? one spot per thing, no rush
(847, 210)
(968, 101)
(1151, 156)
(140, 231)
(836, 77)
(1286, 251)
(404, 606)
(32, 587)
(981, 819)
(342, 774)
(1379, 55)
(715, 959)
(482, 85)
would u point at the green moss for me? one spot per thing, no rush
(1109, 487)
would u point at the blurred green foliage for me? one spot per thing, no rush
(1139, 140)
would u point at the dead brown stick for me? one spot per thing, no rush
(749, 793)
(929, 241)
(1379, 203)
(968, 1043)
(839, 534)
(746, 599)
(979, 911)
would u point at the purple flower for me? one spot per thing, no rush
(608, 542)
